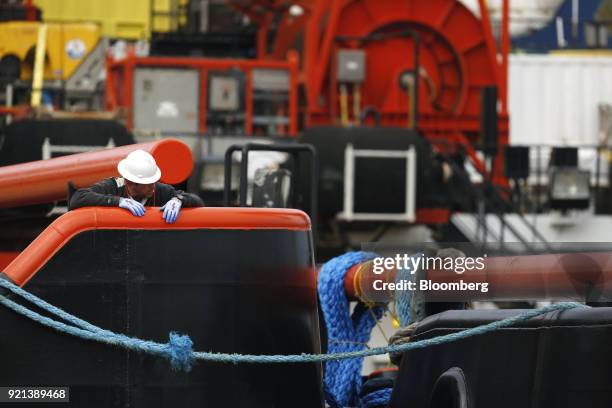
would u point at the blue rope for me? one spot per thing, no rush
(404, 297)
(180, 355)
(178, 350)
(379, 398)
(346, 333)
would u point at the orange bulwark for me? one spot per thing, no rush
(52, 239)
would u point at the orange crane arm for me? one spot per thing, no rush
(46, 180)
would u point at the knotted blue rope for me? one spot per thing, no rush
(178, 350)
(184, 358)
(345, 332)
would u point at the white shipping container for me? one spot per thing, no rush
(554, 100)
(526, 16)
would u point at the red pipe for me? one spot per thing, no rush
(293, 58)
(46, 180)
(573, 276)
(489, 39)
(505, 42)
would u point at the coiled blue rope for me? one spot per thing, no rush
(345, 332)
(378, 398)
(179, 348)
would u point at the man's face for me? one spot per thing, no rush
(139, 191)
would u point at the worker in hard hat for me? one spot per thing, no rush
(137, 188)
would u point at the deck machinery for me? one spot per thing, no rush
(418, 81)
(356, 79)
(371, 50)
(378, 77)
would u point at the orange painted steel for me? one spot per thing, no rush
(120, 83)
(60, 231)
(459, 52)
(46, 180)
(6, 258)
(458, 56)
(432, 216)
(570, 276)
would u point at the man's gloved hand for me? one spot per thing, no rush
(132, 206)
(171, 210)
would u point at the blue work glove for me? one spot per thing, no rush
(171, 210)
(132, 206)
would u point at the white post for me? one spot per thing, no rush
(349, 180)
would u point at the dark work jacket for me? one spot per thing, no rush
(107, 192)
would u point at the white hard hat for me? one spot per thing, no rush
(139, 167)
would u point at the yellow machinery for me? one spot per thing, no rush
(77, 36)
(119, 19)
(67, 46)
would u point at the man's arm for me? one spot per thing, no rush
(188, 200)
(103, 193)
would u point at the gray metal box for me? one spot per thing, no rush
(270, 79)
(166, 99)
(224, 93)
(351, 66)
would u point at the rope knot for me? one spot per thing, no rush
(180, 352)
